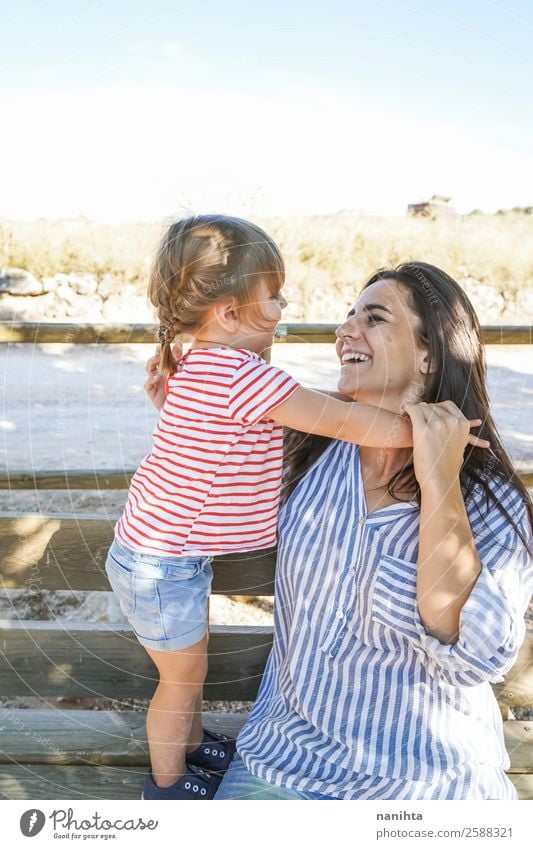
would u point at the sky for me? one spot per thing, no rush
(124, 110)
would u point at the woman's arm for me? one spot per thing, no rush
(448, 561)
(314, 412)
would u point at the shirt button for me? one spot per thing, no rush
(362, 520)
(352, 571)
(339, 614)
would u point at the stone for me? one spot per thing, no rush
(50, 284)
(109, 286)
(27, 309)
(83, 283)
(67, 294)
(19, 282)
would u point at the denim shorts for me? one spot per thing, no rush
(165, 599)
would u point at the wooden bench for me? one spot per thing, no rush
(59, 753)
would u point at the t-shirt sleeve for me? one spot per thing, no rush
(256, 389)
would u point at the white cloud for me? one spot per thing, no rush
(142, 152)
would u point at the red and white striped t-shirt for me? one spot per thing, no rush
(212, 482)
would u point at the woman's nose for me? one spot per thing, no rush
(350, 327)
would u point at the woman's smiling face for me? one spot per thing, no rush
(382, 362)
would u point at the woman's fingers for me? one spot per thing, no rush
(152, 364)
(479, 443)
(177, 350)
(436, 415)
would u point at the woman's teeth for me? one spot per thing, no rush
(354, 358)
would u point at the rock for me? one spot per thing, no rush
(83, 284)
(127, 308)
(487, 301)
(66, 293)
(28, 309)
(524, 304)
(50, 284)
(18, 281)
(108, 286)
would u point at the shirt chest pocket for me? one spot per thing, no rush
(388, 608)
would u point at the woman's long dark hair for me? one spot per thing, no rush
(450, 332)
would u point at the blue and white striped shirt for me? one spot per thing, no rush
(357, 700)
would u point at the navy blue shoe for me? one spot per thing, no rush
(215, 753)
(195, 784)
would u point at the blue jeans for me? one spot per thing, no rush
(238, 783)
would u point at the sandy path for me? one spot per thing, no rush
(84, 407)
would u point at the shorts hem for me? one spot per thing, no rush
(174, 643)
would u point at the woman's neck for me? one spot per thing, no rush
(380, 464)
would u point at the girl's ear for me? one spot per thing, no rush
(227, 315)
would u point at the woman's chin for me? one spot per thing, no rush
(346, 385)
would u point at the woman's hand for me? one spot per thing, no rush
(155, 383)
(440, 435)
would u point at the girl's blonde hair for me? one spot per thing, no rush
(201, 259)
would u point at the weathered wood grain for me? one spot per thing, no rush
(98, 660)
(110, 334)
(87, 736)
(119, 737)
(42, 781)
(67, 552)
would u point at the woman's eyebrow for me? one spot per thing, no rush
(368, 307)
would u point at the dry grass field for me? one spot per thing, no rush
(334, 252)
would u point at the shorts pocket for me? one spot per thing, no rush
(120, 575)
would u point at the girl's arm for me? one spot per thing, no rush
(313, 412)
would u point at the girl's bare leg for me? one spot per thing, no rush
(174, 720)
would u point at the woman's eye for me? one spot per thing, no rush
(373, 318)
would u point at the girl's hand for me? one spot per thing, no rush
(440, 436)
(155, 383)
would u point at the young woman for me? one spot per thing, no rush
(402, 578)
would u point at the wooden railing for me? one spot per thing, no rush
(72, 754)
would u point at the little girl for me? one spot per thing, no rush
(211, 484)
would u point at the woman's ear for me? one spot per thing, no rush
(423, 364)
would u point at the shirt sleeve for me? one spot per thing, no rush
(256, 389)
(491, 625)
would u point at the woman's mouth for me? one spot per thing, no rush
(354, 358)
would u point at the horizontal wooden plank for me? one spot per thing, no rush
(87, 736)
(94, 659)
(519, 744)
(43, 781)
(16, 479)
(119, 737)
(523, 786)
(76, 334)
(65, 552)
(517, 689)
(70, 479)
(109, 334)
